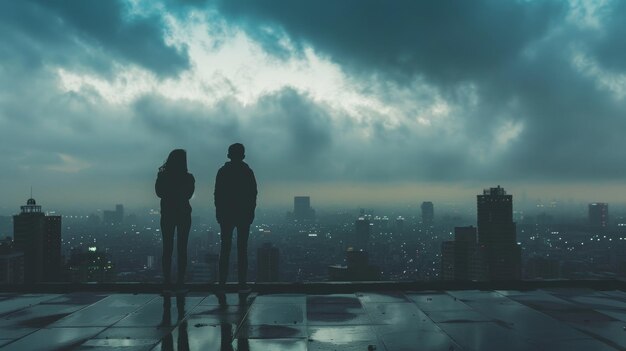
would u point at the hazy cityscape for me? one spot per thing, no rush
(306, 243)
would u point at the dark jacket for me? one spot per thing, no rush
(175, 190)
(235, 193)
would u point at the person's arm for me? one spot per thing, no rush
(253, 189)
(218, 195)
(218, 190)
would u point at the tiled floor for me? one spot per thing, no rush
(558, 319)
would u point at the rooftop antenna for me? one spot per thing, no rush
(31, 191)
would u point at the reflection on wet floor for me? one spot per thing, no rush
(550, 319)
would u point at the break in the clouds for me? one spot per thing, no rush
(93, 94)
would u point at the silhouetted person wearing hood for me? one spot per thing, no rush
(235, 202)
(175, 186)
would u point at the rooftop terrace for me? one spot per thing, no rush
(355, 317)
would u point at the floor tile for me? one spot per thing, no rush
(438, 302)
(390, 296)
(38, 316)
(266, 331)
(160, 311)
(18, 302)
(281, 298)
(485, 336)
(417, 340)
(105, 312)
(54, 339)
(284, 314)
(271, 345)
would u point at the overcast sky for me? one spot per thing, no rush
(354, 102)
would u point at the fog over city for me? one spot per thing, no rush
(259, 175)
(350, 102)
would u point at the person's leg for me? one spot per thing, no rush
(181, 245)
(227, 241)
(243, 232)
(167, 232)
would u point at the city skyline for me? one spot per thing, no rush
(326, 198)
(324, 175)
(528, 94)
(363, 244)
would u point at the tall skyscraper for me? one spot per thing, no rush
(599, 214)
(302, 210)
(428, 213)
(39, 237)
(496, 233)
(362, 233)
(268, 263)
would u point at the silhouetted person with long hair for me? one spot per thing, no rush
(175, 186)
(235, 202)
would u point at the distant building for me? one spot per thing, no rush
(400, 224)
(428, 213)
(90, 266)
(12, 268)
(362, 233)
(357, 269)
(39, 237)
(114, 217)
(6, 226)
(463, 258)
(11, 263)
(496, 234)
(302, 210)
(268, 263)
(52, 259)
(538, 267)
(599, 214)
(150, 262)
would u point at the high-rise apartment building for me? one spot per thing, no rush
(38, 237)
(462, 258)
(496, 234)
(599, 214)
(302, 210)
(362, 233)
(114, 217)
(428, 213)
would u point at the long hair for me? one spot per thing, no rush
(176, 162)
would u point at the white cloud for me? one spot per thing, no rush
(614, 82)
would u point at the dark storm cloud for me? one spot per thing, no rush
(573, 129)
(497, 64)
(516, 56)
(444, 40)
(87, 33)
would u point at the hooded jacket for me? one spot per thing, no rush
(235, 193)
